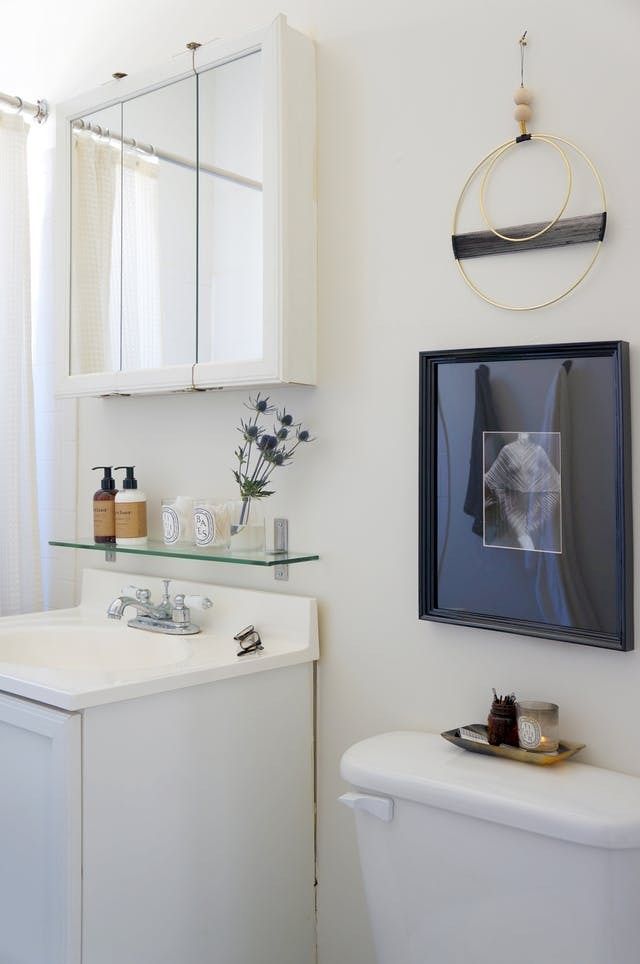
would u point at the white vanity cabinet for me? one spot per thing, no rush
(40, 836)
(196, 809)
(160, 808)
(186, 218)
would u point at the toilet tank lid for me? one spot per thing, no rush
(573, 801)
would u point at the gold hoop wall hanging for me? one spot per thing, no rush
(557, 232)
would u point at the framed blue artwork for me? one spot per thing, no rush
(525, 491)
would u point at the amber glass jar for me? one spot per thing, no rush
(502, 724)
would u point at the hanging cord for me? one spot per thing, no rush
(523, 44)
(193, 45)
(522, 96)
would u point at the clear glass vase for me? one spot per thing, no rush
(247, 525)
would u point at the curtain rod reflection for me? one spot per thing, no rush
(151, 151)
(39, 111)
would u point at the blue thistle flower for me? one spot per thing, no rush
(250, 432)
(260, 405)
(267, 443)
(275, 456)
(261, 452)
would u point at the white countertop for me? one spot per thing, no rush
(77, 658)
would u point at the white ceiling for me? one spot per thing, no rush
(57, 48)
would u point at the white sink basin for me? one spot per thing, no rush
(76, 658)
(89, 648)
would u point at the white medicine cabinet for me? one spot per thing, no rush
(186, 223)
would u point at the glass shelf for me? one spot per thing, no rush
(183, 551)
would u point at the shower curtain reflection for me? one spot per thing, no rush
(95, 275)
(141, 303)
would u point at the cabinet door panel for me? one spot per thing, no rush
(230, 328)
(39, 834)
(231, 295)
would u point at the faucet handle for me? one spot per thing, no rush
(198, 602)
(142, 595)
(182, 606)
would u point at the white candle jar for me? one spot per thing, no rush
(177, 520)
(211, 523)
(538, 726)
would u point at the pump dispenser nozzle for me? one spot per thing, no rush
(129, 482)
(108, 483)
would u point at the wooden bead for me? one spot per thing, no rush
(522, 112)
(522, 95)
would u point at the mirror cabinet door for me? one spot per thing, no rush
(159, 227)
(230, 303)
(167, 226)
(96, 154)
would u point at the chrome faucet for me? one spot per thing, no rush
(168, 616)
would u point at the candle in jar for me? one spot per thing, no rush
(538, 726)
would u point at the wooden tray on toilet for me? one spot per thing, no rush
(564, 751)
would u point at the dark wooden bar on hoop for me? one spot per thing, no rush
(579, 230)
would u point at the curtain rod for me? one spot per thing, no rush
(151, 151)
(39, 111)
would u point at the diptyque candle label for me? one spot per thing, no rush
(170, 524)
(131, 520)
(529, 733)
(204, 525)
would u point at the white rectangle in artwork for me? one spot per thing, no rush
(522, 500)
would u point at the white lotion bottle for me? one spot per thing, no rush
(130, 511)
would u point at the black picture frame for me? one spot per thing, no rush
(619, 632)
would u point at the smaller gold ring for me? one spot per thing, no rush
(496, 156)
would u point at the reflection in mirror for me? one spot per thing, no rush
(159, 190)
(230, 212)
(95, 242)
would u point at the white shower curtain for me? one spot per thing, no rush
(95, 238)
(141, 302)
(116, 318)
(20, 573)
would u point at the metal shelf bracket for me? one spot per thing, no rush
(281, 544)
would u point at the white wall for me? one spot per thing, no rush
(410, 94)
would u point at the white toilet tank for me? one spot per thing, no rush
(471, 860)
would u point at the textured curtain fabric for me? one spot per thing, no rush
(560, 587)
(141, 309)
(20, 575)
(484, 420)
(95, 240)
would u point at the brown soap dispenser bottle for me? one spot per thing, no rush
(104, 516)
